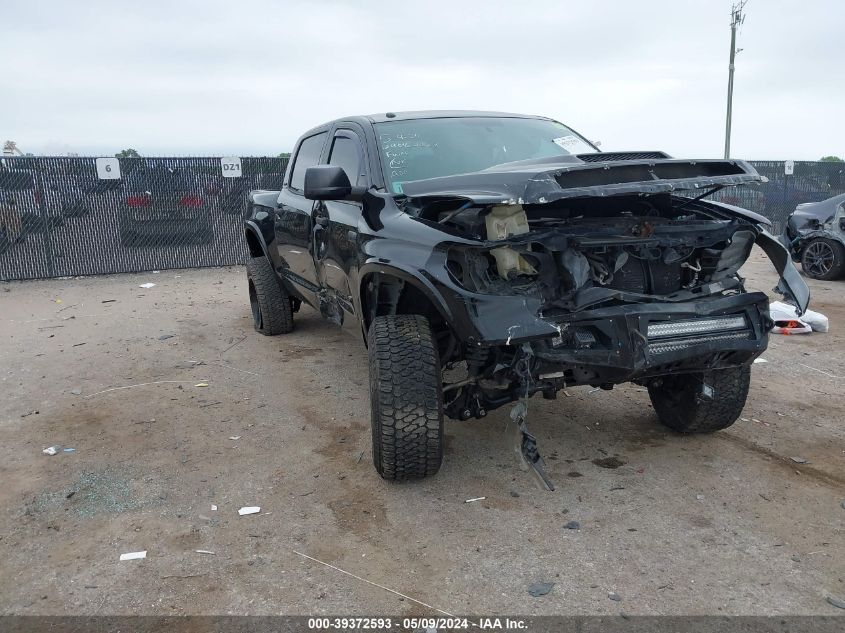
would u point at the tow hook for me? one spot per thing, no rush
(525, 446)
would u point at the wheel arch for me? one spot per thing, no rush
(385, 289)
(808, 237)
(254, 240)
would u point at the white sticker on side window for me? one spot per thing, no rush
(567, 142)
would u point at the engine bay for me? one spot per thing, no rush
(584, 251)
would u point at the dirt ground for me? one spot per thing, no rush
(722, 524)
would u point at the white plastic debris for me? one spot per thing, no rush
(51, 450)
(787, 320)
(213, 507)
(760, 360)
(816, 320)
(133, 555)
(475, 499)
(249, 510)
(203, 551)
(234, 437)
(147, 285)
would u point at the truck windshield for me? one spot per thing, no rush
(427, 148)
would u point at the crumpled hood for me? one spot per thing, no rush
(541, 181)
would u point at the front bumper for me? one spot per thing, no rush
(624, 343)
(631, 342)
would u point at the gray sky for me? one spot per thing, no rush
(206, 77)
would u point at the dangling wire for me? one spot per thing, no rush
(522, 367)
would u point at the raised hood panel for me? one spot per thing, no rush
(539, 182)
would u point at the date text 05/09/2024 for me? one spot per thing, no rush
(415, 624)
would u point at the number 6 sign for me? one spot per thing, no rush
(231, 167)
(108, 169)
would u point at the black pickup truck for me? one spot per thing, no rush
(487, 257)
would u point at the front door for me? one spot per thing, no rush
(294, 223)
(336, 230)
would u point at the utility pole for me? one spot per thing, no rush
(737, 18)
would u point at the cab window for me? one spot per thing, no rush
(346, 153)
(307, 156)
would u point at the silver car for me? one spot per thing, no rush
(815, 236)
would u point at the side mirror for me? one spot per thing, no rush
(330, 182)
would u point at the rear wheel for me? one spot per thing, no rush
(702, 402)
(406, 398)
(271, 306)
(823, 259)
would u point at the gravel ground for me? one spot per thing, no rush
(723, 524)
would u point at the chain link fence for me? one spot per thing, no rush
(72, 216)
(777, 198)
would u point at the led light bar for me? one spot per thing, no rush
(678, 344)
(662, 329)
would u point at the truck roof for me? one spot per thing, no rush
(381, 117)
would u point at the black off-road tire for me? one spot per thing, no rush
(701, 402)
(406, 398)
(823, 259)
(271, 306)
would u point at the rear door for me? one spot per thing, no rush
(294, 223)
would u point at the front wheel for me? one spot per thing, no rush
(823, 259)
(406, 398)
(701, 402)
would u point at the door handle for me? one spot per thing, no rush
(322, 221)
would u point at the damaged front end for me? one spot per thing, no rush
(595, 275)
(815, 236)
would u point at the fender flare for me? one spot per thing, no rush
(252, 227)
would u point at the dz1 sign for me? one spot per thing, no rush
(789, 167)
(108, 169)
(231, 167)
